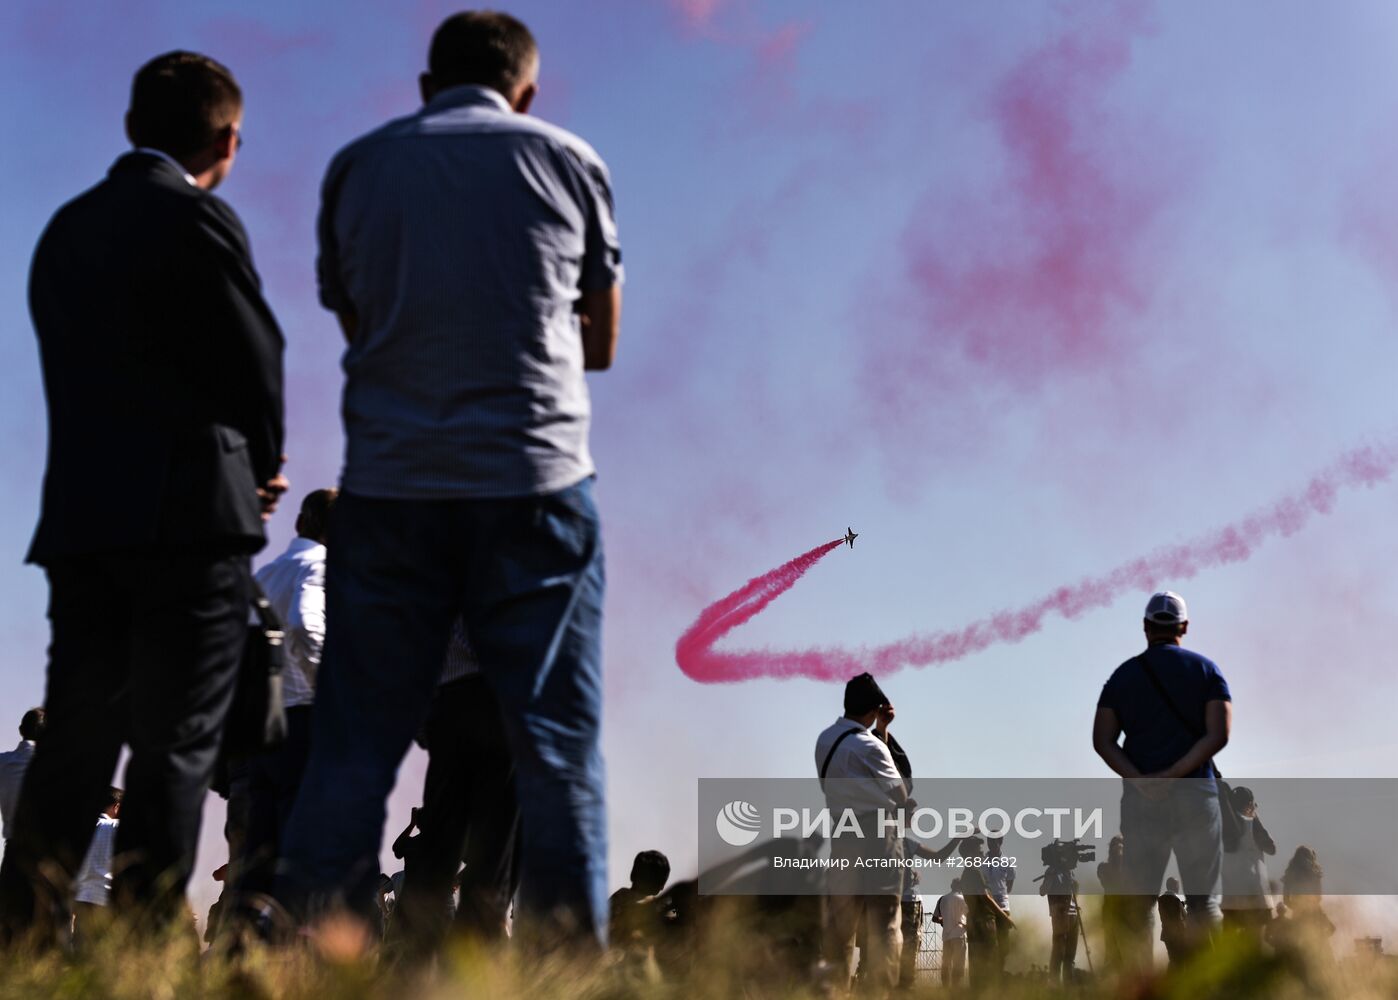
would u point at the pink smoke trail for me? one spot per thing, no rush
(1364, 467)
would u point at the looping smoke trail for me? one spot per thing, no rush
(1364, 467)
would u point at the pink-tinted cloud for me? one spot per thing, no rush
(1362, 468)
(1369, 221)
(697, 15)
(1039, 267)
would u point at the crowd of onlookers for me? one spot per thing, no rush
(1161, 718)
(450, 590)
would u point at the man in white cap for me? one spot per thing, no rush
(1175, 710)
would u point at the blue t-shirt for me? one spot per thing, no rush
(1155, 737)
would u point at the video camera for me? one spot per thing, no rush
(1066, 854)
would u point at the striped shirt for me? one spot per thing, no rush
(94, 882)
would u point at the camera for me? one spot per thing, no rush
(1066, 854)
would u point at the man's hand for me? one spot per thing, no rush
(599, 321)
(271, 491)
(1152, 786)
(885, 716)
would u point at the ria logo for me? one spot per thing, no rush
(738, 823)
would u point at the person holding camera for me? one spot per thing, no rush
(1060, 886)
(1247, 906)
(858, 774)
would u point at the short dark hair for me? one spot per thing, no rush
(31, 727)
(114, 796)
(483, 47)
(315, 512)
(1167, 629)
(650, 870)
(180, 102)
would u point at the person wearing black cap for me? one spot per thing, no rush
(1175, 710)
(858, 774)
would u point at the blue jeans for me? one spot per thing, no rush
(1185, 821)
(527, 574)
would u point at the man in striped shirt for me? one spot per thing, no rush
(294, 584)
(93, 887)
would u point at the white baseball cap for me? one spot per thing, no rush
(1166, 608)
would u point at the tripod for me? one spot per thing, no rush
(1082, 933)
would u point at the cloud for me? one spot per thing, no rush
(1038, 267)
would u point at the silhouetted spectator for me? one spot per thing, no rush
(857, 772)
(910, 923)
(632, 919)
(14, 763)
(471, 255)
(93, 886)
(1061, 888)
(469, 815)
(1111, 873)
(1247, 906)
(162, 372)
(988, 924)
(294, 584)
(1174, 708)
(1302, 888)
(1173, 932)
(950, 913)
(999, 879)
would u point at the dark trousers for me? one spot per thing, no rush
(469, 813)
(526, 575)
(145, 652)
(912, 941)
(272, 781)
(1063, 952)
(986, 959)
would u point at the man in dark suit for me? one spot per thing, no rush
(162, 368)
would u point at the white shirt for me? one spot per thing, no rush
(294, 583)
(997, 883)
(13, 764)
(94, 881)
(952, 907)
(861, 775)
(170, 160)
(1245, 874)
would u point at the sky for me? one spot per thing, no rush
(1021, 292)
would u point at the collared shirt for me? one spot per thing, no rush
(94, 881)
(861, 775)
(294, 583)
(13, 764)
(461, 239)
(998, 880)
(952, 909)
(170, 160)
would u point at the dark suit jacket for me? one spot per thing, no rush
(162, 368)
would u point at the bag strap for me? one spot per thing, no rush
(262, 609)
(1190, 727)
(835, 746)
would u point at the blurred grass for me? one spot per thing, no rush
(727, 962)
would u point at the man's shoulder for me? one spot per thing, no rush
(480, 123)
(571, 143)
(1179, 657)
